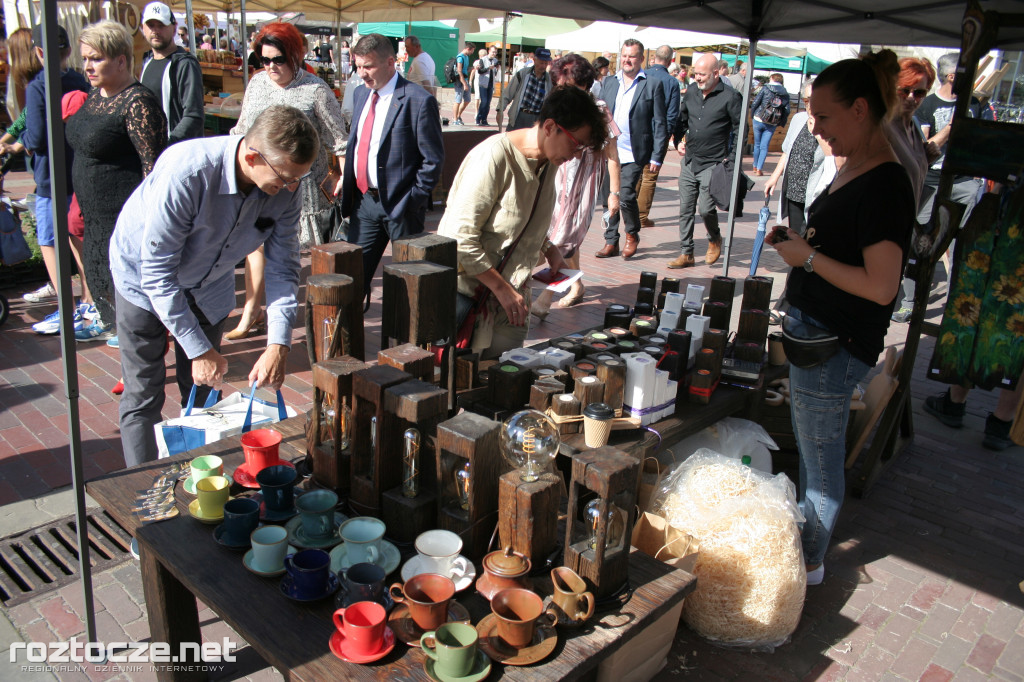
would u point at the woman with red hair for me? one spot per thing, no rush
(284, 80)
(905, 135)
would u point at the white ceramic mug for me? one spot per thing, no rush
(438, 550)
(362, 536)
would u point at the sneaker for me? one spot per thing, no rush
(89, 311)
(133, 549)
(997, 433)
(41, 294)
(112, 342)
(945, 410)
(459, 122)
(902, 315)
(49, 325)
(816, 576)
(96, 332)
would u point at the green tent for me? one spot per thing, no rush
(794, 64)
(529, 30)
(440, 41)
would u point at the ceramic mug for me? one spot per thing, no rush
(438, 550)
(241, 517)
(277, 483)
(261, 449)
(213, 492)
(427, 596)
(363, 582)
(362, 536)
(317, 510)
(362, 626)
(269, 545)
(518, 611)
(453, 648)
(207, 465)
(309, 571)
(571, 595)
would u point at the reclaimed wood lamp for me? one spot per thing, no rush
(329, 423)
(601, 511)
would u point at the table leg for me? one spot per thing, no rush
(173, 617)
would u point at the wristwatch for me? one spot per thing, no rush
(614, 194)
(809, 263)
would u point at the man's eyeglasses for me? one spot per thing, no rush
(579, 147)
(918, 93)
(280, 60)
(287, 183)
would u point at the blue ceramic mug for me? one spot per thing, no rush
(241, 518)
(277, 484)
(317, 510)
(309, 571)
(363, 582)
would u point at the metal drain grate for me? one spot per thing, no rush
(46, 558)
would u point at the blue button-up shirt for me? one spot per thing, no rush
(184, 229)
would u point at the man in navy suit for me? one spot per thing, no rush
(657, 70)
(394, 157)
(637, 104)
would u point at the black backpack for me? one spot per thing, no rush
(451, 70)
(773, 109)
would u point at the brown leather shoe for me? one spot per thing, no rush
(646, 222)
(630, 248)
(684, 261)
(608, 250)
(714, 251)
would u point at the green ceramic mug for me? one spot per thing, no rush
(453, 648)
(207, 465)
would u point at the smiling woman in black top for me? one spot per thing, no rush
(846, 273)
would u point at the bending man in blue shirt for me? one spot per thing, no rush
(206, 205)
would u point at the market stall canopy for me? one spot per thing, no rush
(879, 22)
(600, 36)
(528, 29)
(652, 37)
(348, 10)
(440, 41)
(806, 63)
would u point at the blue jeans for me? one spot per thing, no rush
(484, 107)
(820, 407)
(762, 138)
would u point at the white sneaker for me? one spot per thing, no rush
(816, 576)
(41, 294)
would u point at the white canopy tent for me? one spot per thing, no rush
(600, 36)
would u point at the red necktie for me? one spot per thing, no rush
(363, 153)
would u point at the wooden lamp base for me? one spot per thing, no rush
(407, 517)
(528, 514)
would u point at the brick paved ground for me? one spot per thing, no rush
(922, 578)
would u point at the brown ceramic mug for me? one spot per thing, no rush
(518, 612)
(571, 595)
(427, 596)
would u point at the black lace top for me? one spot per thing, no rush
(798, 167)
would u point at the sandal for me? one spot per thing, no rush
(574, 297)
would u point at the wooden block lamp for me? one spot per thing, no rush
(329, 423)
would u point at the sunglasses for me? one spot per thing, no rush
(579, 147)
(280, 60)
(918, 94)
(287, 183)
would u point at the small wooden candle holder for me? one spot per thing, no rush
(413, 360)
(332, 383)
(508, 385)
(757, 293)
(648, 279)
(588, 390)
(566, 405)
(645, 295)
(613, 373)
(369, 415)
(543, 391)
(347, 259)
(753, 325)
(469, 507)
(719, 312)
(722, 289)
(570, 346)
(583, 368)
(554, 373)
(617, 315)
(598, 548)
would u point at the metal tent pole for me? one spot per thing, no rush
(504, 70)
(65, 299)
(245, 53)
(190, 22)
(741, 139)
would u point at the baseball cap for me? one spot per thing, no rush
(158, 11)
(62, 37)
(543, 54)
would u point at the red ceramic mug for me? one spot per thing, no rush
(261, 449)
(362, 626)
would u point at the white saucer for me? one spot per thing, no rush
(463, 571)
(388, 560)
(247, 561)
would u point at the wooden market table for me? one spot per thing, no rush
(181, 562)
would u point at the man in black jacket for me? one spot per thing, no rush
(658, 70)
(709, 112)
(172, 74)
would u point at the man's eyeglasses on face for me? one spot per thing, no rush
(280, 60)
(918, 94)
(287, 183)
(579, 147)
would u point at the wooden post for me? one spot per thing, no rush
(757, 293)
(332, 380)
(613, 374)
(528, 514)
(722, 289)
(410, 359)
(345, 259)
(428, 246)
(719, 312)
(330, 296)
(419, 303)
(753, 326)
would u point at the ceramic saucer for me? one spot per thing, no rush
(288, 589)
(481, 669)
(197, 513)
(544, 640)
(218, 535)
(190, 486)
(338, 648)
(388, 560)
(248, 478)
(247, 562)
(298, 538)
(409, 632)
(463, 571)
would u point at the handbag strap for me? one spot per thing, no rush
(211, 400)
(282, 411)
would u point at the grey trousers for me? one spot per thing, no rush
(142, 338)
(629, 211)
(695, 193)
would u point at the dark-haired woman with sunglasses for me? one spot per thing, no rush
(284, 80)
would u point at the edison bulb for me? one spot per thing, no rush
(529, 440)
(616, 524)
(462, 483)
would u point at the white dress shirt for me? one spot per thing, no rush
(623, 103)
(384, 97)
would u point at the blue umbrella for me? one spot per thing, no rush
(762, 224)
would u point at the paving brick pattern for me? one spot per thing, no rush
(922, 578)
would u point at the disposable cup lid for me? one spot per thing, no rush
(600, 411)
